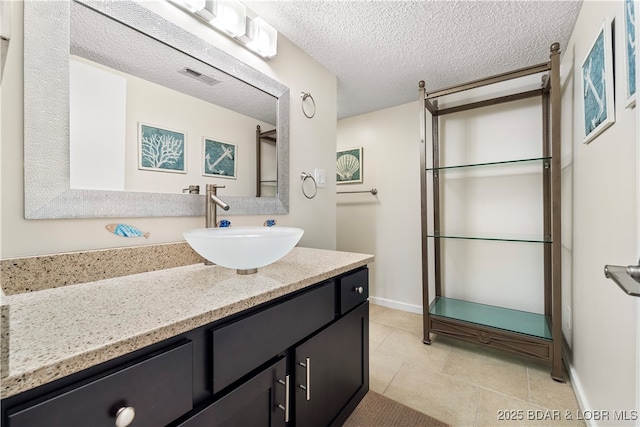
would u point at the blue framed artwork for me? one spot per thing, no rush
(349, 166)
(161, 149)
(630, 51)
(597, 85)
(219, 159)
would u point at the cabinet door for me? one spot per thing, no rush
(330, 368)
(262, 401)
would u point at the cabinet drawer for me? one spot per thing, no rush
(159, 388)
(246, 344)
(353, 289)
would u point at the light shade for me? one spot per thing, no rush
(207, 10)
(230, 17)
(263, 37)
(194, 5)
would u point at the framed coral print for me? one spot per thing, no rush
(219, 158)
(161, 149)
(630, 52)
(349, 166)
(597, 85)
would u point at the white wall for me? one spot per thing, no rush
(386, 225)
(97, 123)
(503, 201)
(312, 146)
(604, 362)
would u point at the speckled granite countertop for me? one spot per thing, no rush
(56, 332)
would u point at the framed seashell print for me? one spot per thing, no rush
(349, 166)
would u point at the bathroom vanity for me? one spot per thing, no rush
(195, 345)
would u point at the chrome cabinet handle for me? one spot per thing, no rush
(359, 289)
(287, 398)
(125, 416)
(307, 387)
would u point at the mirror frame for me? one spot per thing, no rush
(47, 192)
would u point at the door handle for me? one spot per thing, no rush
(287, 398)
(307, 386)
(628, 278)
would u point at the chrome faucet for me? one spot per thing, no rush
(212, 202)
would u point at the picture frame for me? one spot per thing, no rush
(219, 158)
(161, 149)
(598, 109)
(349, 166)
(630, 52)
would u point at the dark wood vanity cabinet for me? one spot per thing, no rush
(331, 368)
(300, 360)
(320, 336)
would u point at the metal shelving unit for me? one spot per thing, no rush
(270, 137)
(531, 334)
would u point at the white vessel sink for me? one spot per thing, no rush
(244, 248)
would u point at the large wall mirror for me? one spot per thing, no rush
(108, 83)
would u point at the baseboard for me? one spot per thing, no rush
(578, 390)
(580, 394)
(411, 308)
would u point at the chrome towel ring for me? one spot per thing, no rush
(304, 96)
(304, 176)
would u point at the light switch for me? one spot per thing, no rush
(320, 175)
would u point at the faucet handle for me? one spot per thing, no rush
(192, 189)
(215, 186)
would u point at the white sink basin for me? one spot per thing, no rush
(244, 248)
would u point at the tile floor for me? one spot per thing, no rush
(460, 383)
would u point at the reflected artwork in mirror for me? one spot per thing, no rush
(167, 77)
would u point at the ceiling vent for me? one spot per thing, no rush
(198, 76)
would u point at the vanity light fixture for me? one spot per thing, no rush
(230, 17)
(194, 6)
(205, 9)
(262, 37)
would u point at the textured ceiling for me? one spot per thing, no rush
(380, 50)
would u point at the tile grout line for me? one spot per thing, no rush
(528, 385)
(397, 327)
(385, 338)
(446, 359)
(394, 377)
(475, 420)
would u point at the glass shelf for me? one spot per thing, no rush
(505, 162)
(496, 237)
(506, 319)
